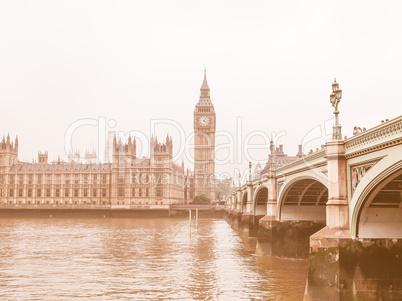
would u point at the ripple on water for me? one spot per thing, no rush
(142, 259)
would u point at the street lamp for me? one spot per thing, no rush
(335, 99)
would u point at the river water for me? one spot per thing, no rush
(138, 259)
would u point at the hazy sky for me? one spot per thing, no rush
(269, 63)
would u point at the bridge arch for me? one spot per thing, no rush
(376, 206)
(260, 200)
(244, 201)
(303, 198)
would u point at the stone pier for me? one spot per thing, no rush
(344, 269)
(287, 238)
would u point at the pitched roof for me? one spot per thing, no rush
(58, 167)
(280, 159)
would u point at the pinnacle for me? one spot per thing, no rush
(205, 83)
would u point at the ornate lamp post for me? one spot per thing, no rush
(335, 99)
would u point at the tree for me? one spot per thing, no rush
(201, 199)
(223, 188)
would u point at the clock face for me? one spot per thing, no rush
(203, 120)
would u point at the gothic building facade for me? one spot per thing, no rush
(204, 143)
(125, 182)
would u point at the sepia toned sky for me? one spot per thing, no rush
(270, 66)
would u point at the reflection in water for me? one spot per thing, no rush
(142, 259)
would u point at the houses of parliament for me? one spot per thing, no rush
(124, 182)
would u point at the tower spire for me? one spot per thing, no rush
(205, 88)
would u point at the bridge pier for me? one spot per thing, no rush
(286, 238)
(249, 225)
(233, 198)
(247, 217)
(341, 268)
(267, 222)
(250, 197)
(239, 206)
(234, 214)
(337, 209)
(233, 217)
(328, 247)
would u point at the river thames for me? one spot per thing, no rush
(139, 259)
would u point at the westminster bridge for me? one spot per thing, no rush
(342, 206)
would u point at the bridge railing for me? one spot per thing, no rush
(384, 135)
(304, 162)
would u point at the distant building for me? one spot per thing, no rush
(257, 171)
(280, 158)
(127, 181)
(123, 180)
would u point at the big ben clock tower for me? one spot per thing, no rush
(204, 143)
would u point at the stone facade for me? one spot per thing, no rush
(126, 181)
(204, 143)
